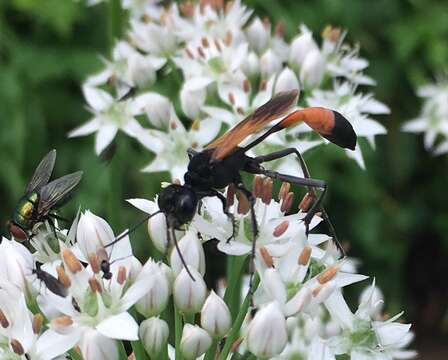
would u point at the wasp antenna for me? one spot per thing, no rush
(176, 245)
(132, 229)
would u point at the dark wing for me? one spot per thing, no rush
(274, 108)
(43, 172)
(58, 192)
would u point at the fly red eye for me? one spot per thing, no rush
(17, 232)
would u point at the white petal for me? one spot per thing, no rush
(85, 129)
(234, 248)
(197, 83)
(104, 137)
(120, 327)
(132, 128)
(98, 99)
(144, 205)
(52, 344)
(416, 125)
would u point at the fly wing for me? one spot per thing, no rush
(58, 192)
(274, 108)
(42, 173)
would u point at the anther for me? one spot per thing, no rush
(71, 261)
(201, 52)
(187, 8)
(173, 125)
(243, 203)
(94, 284)
(61, 322)
(218, 45)
(263, 85)
(267, 191)
(230, 198)
(17, 347)
(189, 53)
(204, 42)
(228, 38)
(246, 86)
(287, 202)
(229, 6)
(267, 258)
(3, 320)
(38, 320)
(196, 125)
(280, 29)
(257, 186)
(284, 189)
(281, 228)
(304, 256)
(231, 97)
(121, 276)
(240, 110)
(101, 255)
(94, 263)
(306, 202)
(328, 274)
(317, 290)
(63, 277)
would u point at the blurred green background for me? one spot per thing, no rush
(394, 215)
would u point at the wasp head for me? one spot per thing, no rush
(178, 203)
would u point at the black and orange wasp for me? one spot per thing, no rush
(220, 164)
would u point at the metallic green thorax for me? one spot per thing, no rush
(26, 211)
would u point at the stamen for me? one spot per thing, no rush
(205, 42)
(196, 125)
(287, 202)
(189, 53)
(284, 189)
(267, 258)
(121, 277)
(305, 255)
(328, 274)
(317, 290)
(231, 97)
(38, 320)
(267, 191)
(95, 286)
(73, 264)
(218, 45)
(331, 33)
(257, 186)
(280, 29)
(17, 347)
(246, 86)
(201, 52)
(94, 264)
(61, 322)
(306, 202)
(101, 254)
(63, 277)
(240, 110)
(243, 203)
(228, 38)
(3, 320)
(173, 125)
(263, 85)
(229, 6)
(281, 228)
(230, 199)
(187, 8)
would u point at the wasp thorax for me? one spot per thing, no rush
(178, 203)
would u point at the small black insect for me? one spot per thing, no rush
(51, 282)
(220, 164)
(42, 198)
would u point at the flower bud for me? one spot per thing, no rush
(192, 252)
(157, 232)
(93, 345)
(156, 299)
(140, 71)
(195, 341)
(92, 233)
(156, 107)
(301, 46)
(251, 65)
(286, 81)
(16, 262)
(258, 35)
(267, 333)
(270, 64)
(153, 333)
(215, 316)
(312, 70)
(192, 101)
(189, 295)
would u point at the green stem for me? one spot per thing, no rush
(178, 332)
(139, 351)
(236, 327)
(189, 318)
(74, 355)
(232, 295)
(115, 22)
(115, 188)
(121, 351)
(211, 353)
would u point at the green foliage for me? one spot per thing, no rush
(393, 215)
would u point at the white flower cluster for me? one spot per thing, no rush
(433, 118)
(86, 295)
(210, 65)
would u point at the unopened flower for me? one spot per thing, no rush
(286, 81)
(16, 263)
(195, 341)
(153, 333)
(157, 108)
(301, 46)
(189, 295)
(267, 334)
(192, 96)
(215, 316)
(96, 346)
(156, 299)
(258, 35)
(312, 69)
(270, 64)
(251, 65)
(192, 251)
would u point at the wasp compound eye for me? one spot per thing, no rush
(16, 231)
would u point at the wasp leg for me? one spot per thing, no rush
(282, 153)
(225, 209)
(53, 226)
(57, 217)
(249, 196)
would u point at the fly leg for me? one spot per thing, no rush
(225, 209)
(285, 152)
(249, 196)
